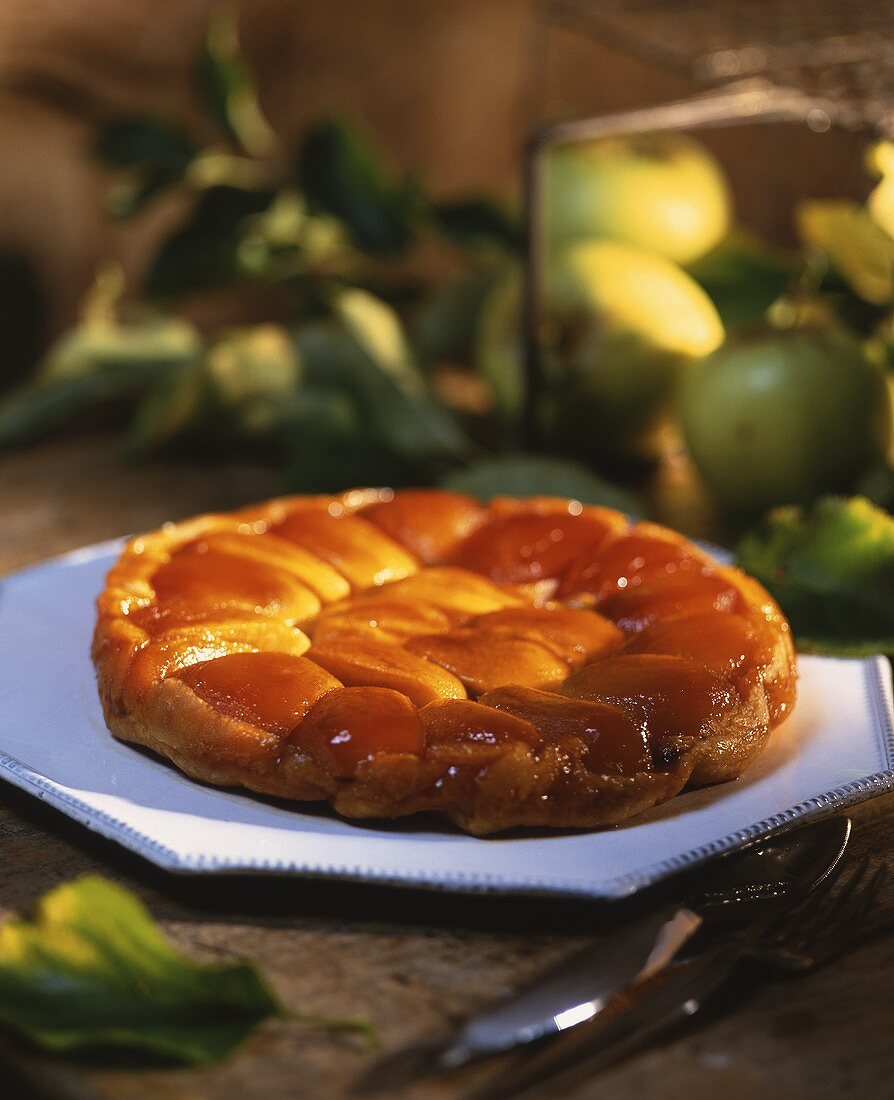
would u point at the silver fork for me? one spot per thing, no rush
(818, 929)
(810, 935)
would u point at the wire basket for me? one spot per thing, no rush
(842, 50)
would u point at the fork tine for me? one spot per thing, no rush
(820, 926)
(844, 924)
(872, 890)
(839, 905)
(868, 893)
(782, 927)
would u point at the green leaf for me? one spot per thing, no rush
(149, 344)
(149, 154)
(877, 485)
(367, 426)
(880, 204)
(743, 276)
(240, 393)
(447, 321)
(172, 409)
(859, 249)
(229, 87)
(252, 371)
(36, 411)
(478, 220)
(286, 241)
(376, 328)
(330, 447)
(92, 969)
(96, 364)
(145, 142)
(380, 368)
(342, 175)
(530, 476)
(205, 251)
(832, 571)
(499, 350)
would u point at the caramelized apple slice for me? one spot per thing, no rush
(177, 648)
(531, 546)
(256, 631)
(390, 620)
(430, 523)
(356, 548)
(675, 695)
(730, 645)
(463, 732)
(318, 575)
(775, 644)
(154, 662)
(363, 662)
(645, 553)
(158, 619)
(723, 643)
(269, 632)
(575, 636)
(270, 690)
(615, 740)
(356, 723)
(550, 506)
(202, 577)
(457, 592)
(484, 661)
(632, 609)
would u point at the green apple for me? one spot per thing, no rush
(662, 192)
(629, 323)
(781, 416)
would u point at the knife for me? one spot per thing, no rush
(644, 1010)
(651, 1007)
(581, 986)
(738, 887)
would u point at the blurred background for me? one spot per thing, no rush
(291, 236)
(443, 89)
(449, 91)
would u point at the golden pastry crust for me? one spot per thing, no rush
(529, 663)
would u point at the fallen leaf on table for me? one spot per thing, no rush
(92, 970)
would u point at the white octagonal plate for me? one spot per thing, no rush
(837, 749)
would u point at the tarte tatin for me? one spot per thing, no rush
(530, 662)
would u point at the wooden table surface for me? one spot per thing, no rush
(408, 960)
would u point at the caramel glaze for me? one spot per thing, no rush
(533, 662)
